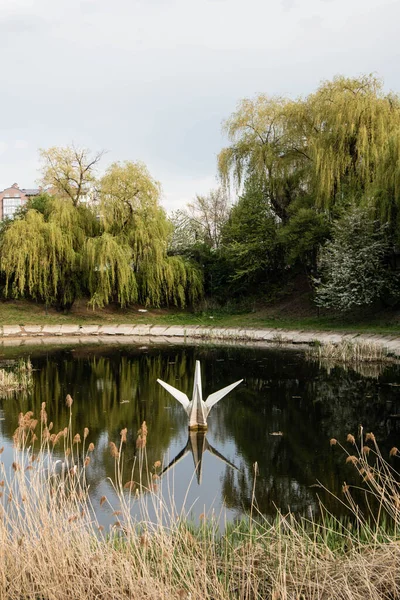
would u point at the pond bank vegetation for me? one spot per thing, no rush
(16, 379)
(53, 545)
(282, 314)
(347, 352)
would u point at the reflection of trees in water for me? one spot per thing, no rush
(347, 400)
(308, 406)
(110, 393)
(116, 387)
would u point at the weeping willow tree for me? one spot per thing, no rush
(69, 171)
(131, 254)
(107, 262)
(351, 124)
(114, 250)
(40, 256)
(387, 185)
(263, 145)
(342, 141)
(61, 249)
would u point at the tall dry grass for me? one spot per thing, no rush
(347, 352)
(15, 380)
(52, 546)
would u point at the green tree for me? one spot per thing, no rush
(250, 245)
(116, 250)
(197, 234)
(305, 231)
(350, 121)
(69, 172)
(41, 203)
(263, 143)
(131, 212)
(40, 255)
(340, 142)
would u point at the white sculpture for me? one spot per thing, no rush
(196, 409)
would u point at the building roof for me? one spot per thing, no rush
(26, 191)
(31, 191)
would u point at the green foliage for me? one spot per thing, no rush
(250, 245)
(350, 122)
(131, 211)
(197, 234)
(108, 264)
(37, 257)
(299, 167)
(69, 172)
(186, 233)
(40, 203)
(57, 248)
(342, 141)
(352, 264)
(312, 156)
(303, 233)
(264, 144)
(387, 192)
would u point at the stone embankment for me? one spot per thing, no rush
(18, 335)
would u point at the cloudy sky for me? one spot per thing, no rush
(152, 80)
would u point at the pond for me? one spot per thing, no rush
(281, 417)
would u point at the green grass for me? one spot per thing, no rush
(31, 313)
(381, 326)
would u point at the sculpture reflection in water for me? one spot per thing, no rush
(198, 444)
(198, 411)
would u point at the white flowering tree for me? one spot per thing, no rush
(352, 264)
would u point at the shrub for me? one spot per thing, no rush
(352, 264)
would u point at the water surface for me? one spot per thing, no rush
(281, 417)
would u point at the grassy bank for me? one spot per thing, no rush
(31, 313)
(52, 546)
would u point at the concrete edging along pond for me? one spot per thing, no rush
(19, 335)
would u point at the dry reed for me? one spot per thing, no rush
(347, 352)
(16, 379)
(52, 546)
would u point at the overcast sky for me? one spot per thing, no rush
(152, 80)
